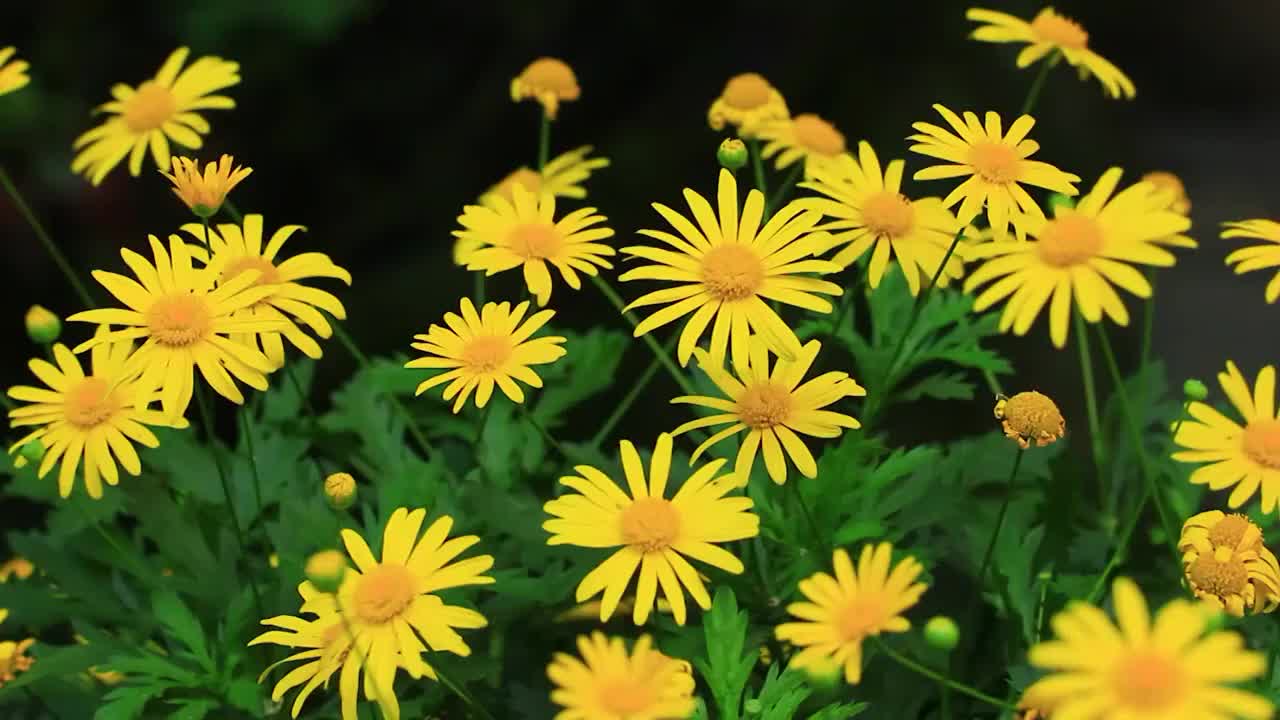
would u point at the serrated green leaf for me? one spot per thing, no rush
(588, 369)
(726, 668)
(178, 619)
(840, 711)
(126, 703)
(283, 402)
(193, 709)
(782, 694)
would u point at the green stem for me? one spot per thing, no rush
(846, 302)
(1148, 319)
(297, 387)
(662, 355)
(1037, 85)
(49, 245)
(1090, 401)
(940, 678)
(477, 288)
(944, 700)
(757, 164)
(993, 383)
(995, 532)
(233, 211)
(253, 459)
(542, 430)
(762, 566)
(544, 141)
(620, 410)
(818, 537)
(787, 184)
(456, 689)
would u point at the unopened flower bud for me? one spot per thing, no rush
(340, 490)
(1058, 200)
(1193, 389)
(326, 569)
(43, 327)
(942, 633)
(732, 154)
(32, 451)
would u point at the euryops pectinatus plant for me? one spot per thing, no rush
(434, 539)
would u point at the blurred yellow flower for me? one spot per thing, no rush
(204, 194)
(747, 102)
(14, 659)
(1256, 257)
(1227, 565)
(16, 567)
(804, 138)
(1167, 182)
(549, 81)
(608, 683)
(1029, 417)
(13, 75)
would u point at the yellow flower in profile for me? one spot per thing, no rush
(549, 81)
(237, 249)
(1077, 257)
(995, 164)
(774, 409)
(654, 534)
(481, 350)
(867, 211)
(1256, 257)
(185, 324)
(1029, 417)
(1245, 457)
(855, 604)
(13, 75)
(727, 266)
(204, 194)
(608, 683)
(162, 109)
(524, 233)
(747, 102)
(804, 138)
(95, 418)
(16, 567)
(14, 659)
(1227, 565)
(1048, 32)
(325, 648)
(1136, 668)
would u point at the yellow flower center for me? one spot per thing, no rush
(650, 524)
(1219, 573)
(90, 403)
(383, 593)
(150, 107)
(1034, 415)
(732, 272)
(817, 135)
(535, 241)
(861, 617)
(1230, 530)
(625, 697)
(747, 91)
(888, 214)
(179, 320)
(1148, 681)
(1070, 239)
(1059, 30)
(994, 162)
(551, 75)
(764, 405)
(1262, 443)
(486, 353)
(530, 180)
(269, 275)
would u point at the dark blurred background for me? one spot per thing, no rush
(373, 123)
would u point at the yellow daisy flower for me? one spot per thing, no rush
(95, 417)
(772, 408)
(805, 137)
(1256, 257)
(608, 683)
(747, 102)
(13, 75)
(204, 194)
(161, 109)
(1227, 565)
(186, 325)
(844, 610)
(325, 649)
(524, 233)
(1078, 255)
(728, 266)
(653, 534)
(235, 249)
(481, 350)
(14, 659)
(995, 162)
(16, 567)
(1047, 32)
(1170, 668)
(1247, 457)
(549, 81)
(867, 210)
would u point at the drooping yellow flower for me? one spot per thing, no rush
(844, 610)
(324, 648)
(13, 75)
(237, 249)
(95, 418)
(727, 266)
(1029, 417)
(1227, 565)
(1048, 32)
(653, 533)
(481, 350)
(204, 194)
(867, 211)
(1256, 257)
(608, 683)
(524, 233)
(747, 102)
(1247, 457)
(14, 659)
(774, 409)
(996, 165)
(185, 324)
(1171, 669)
(16, 567)
(1077, 256)
(804, 138)
(161, 109)
(549, 81)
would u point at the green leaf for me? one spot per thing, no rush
(839, 711)
(193, 709)
(127, 702)
(509, 448)
(589, 368)
(56, 661)
(782, 694)
(183, 625)
(282, 402)
(151, 667)
(726, 667)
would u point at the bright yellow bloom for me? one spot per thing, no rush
(1179, 201)
(481, 350)
(844, 610)
(654, 534)
(806, 138)
(1048, 32)
(524, 233)
(204, 194)
(547, 80)
(13, 75)
(236, 249)
(1077, 256)
(161, 109)
(1247, 457)
(1137, 669)
(326, 649)
(16, 567)
(747, 102)
(14, 660)
(995, 163)
(95, 417)
(867, 210)
(1227, 565)
(772, 408)
(608, 683)
(728, 266)
(1029, 417)
(186, 325)
(1256, 257)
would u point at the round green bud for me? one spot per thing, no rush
(942, 633)
(43, 327)
(1193, 389)
(824, 673)
(340, 490)
(1058, 200)
(752, 707)
(732, 154)
(32, 451)
(326, 569)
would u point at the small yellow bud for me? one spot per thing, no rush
(732, 154)
(273, 560)
(942, 633)
(326, 569)
(43, 327)
(340, 490)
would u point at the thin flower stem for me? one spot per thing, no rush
(297, 387)
(49, 245)
(542, 430)
(456, 689)
(995, 532)
(6, 402)
(762, 565)
(253, 460)
(1037, 85)
(478, 288)
(944, 701)
(629, 399)
(232, 210)
(818, 537)
(662, 355)
(757, 164)
(939, 677)
(846, 302)
(1090, 401)
(993, 383)
(787, 185)
(544, 141)
(1148, 319)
